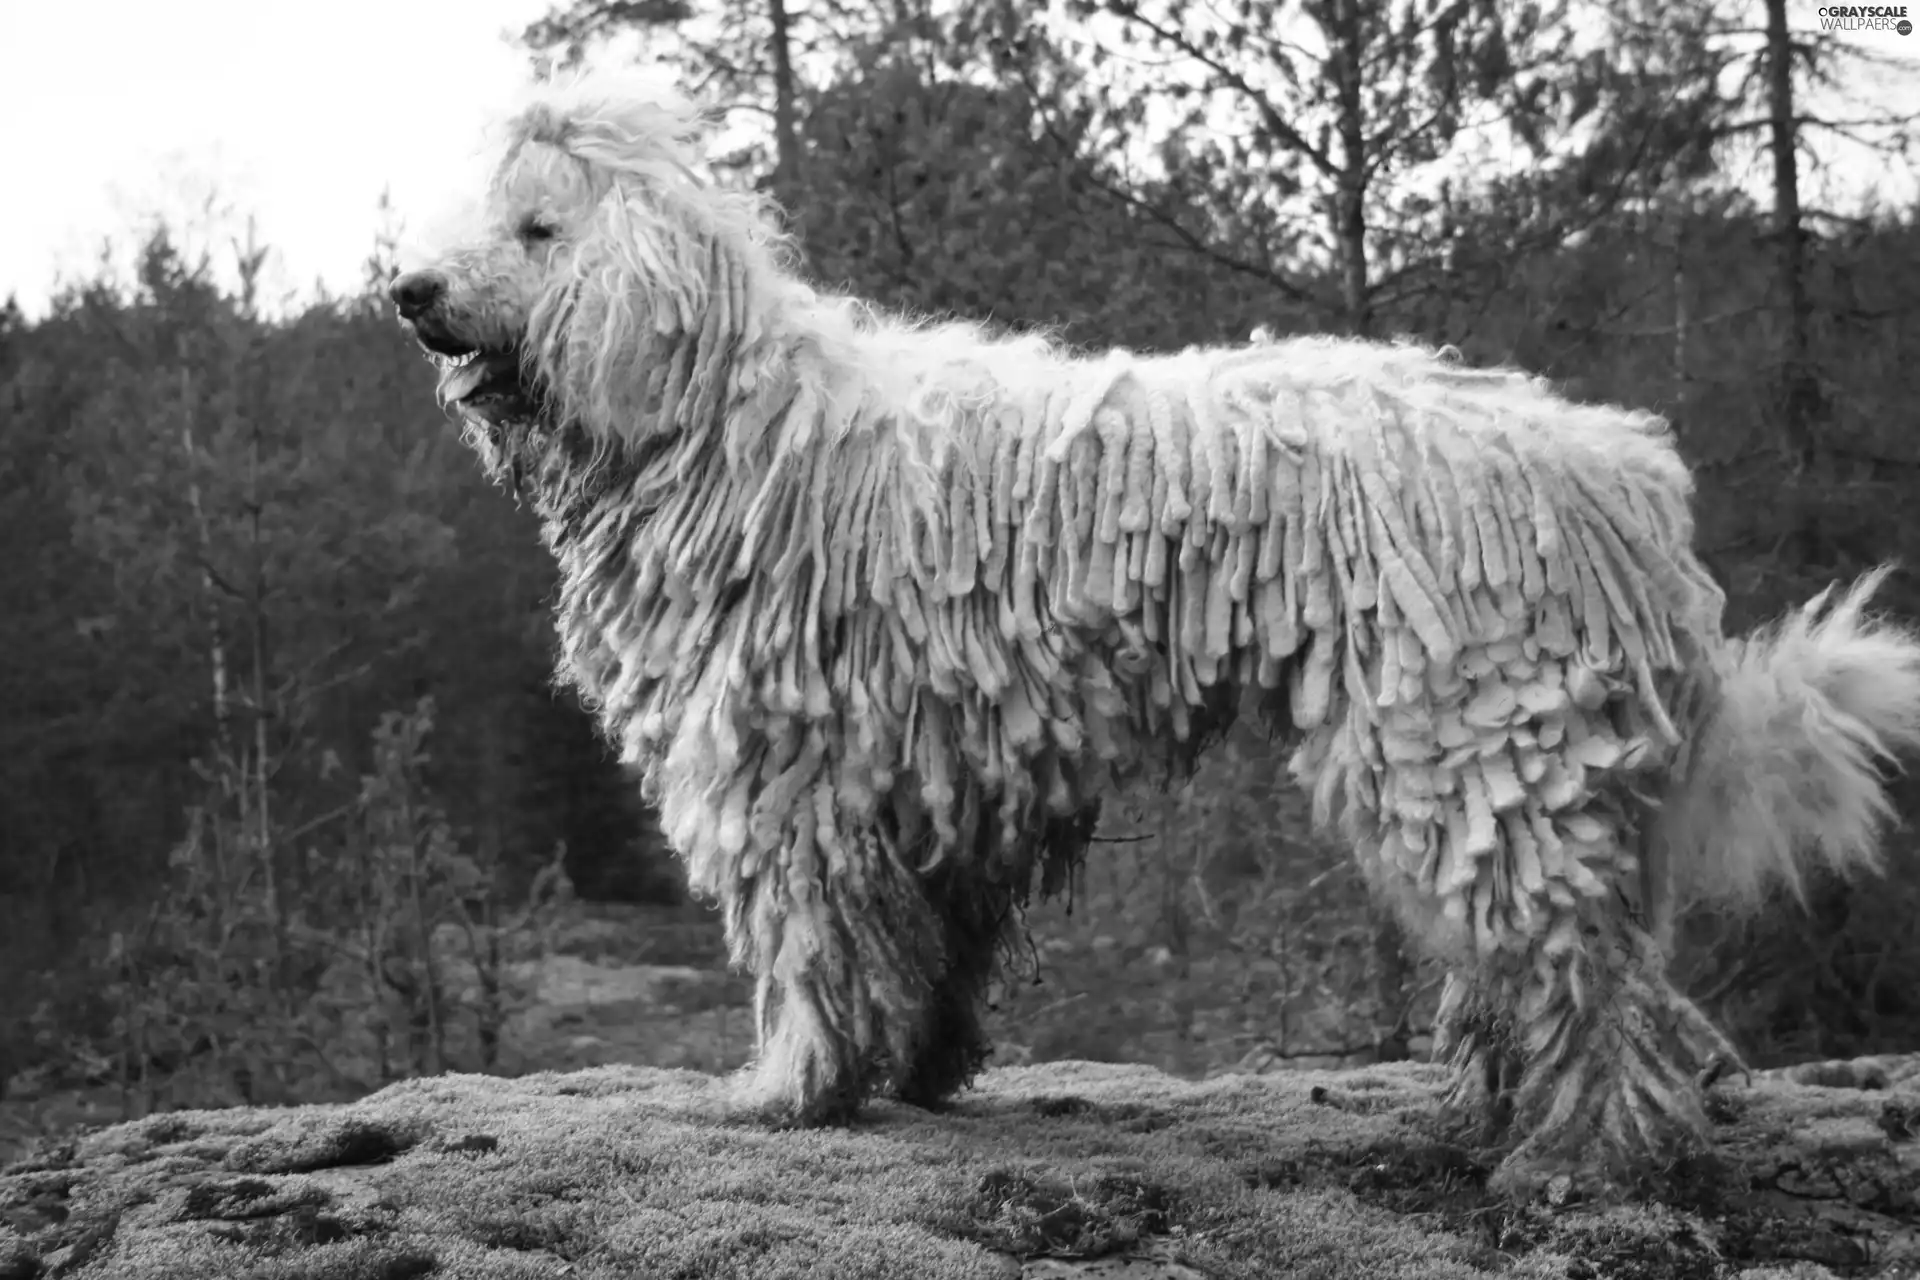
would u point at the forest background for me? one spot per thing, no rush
(289, 807)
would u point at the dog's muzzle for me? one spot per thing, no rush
(471, 376)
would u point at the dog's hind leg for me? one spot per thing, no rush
(1474, 1032)
(1589, 1048)
(1512, 856)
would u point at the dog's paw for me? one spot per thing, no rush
(1557, 1182)
(763, 1099)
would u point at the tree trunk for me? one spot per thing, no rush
(1682, 322)
(1800, 399)
(216, 636)
(1390, 969)
(786, 143)
(1350, 197)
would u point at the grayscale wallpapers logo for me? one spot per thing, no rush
(1866, 17)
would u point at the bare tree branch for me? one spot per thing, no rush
(1269, 114)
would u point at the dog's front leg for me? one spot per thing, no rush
(845, 953)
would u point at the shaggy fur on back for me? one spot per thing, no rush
(881, 610)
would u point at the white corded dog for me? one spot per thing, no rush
(881, 608)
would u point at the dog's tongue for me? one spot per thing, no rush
(460, 383)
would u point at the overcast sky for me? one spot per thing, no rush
(296, 113)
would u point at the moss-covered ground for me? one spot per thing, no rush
(1055, 1170)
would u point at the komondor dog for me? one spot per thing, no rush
(879, 609)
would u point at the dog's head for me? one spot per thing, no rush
(610, 286)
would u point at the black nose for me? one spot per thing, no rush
(415, 293)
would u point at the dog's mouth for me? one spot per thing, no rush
(479, 378)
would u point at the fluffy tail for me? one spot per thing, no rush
(1785, 772)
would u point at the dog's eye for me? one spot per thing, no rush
(537, 231)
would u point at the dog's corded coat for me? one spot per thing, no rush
(880, 609)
